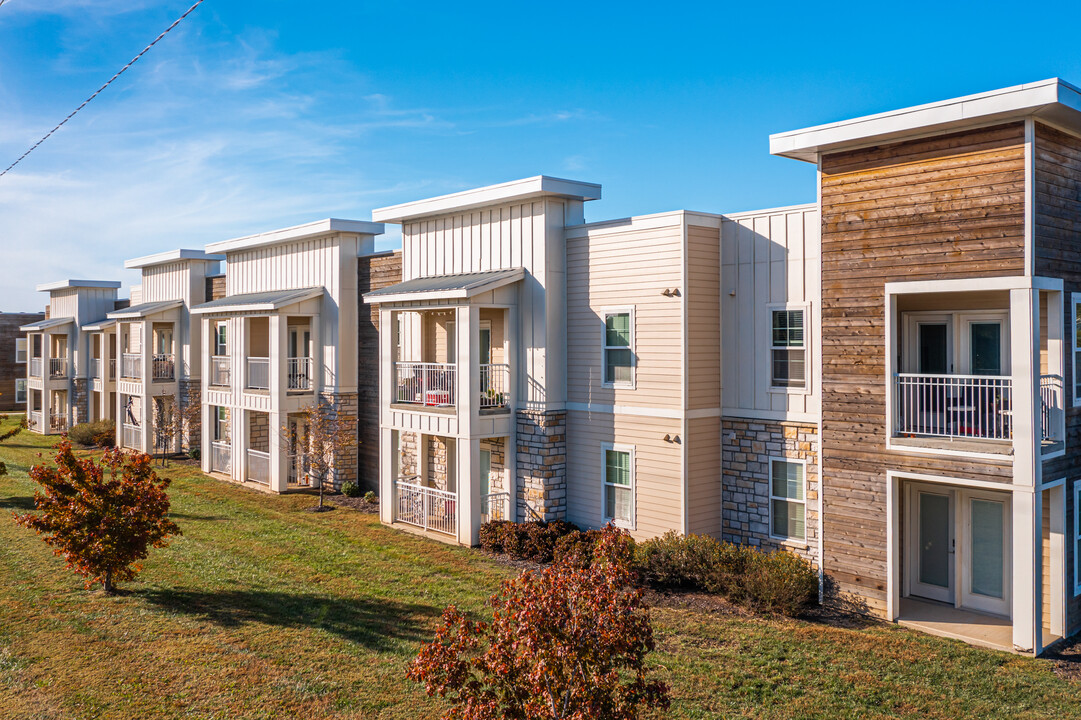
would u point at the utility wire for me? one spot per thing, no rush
(98, 92)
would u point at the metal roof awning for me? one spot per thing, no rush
(445, 287)
(134, 312)
(257, 302)
(99, 325)
(46, 324)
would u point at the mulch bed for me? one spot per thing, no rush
(1065, 658)
(356, 503)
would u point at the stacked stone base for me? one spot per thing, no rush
(343, 407)
(80, 401)
(542, 465)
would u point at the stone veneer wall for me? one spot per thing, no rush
(746, 449)
(437, 458)
(344, 407)
(497, 447)
(190, 396)
(373, 272)
(408, 452)
(259, 431)
(542, 464)
(80, 400)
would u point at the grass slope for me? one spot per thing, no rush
(263, 610)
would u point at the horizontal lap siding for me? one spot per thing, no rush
(658, 476)
(704, 476)
(946, 207)
(1057, 194)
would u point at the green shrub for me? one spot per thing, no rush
(371, 497)
(681, 561)
(100, 434)
(195, 453)
(350, 489)
(779, 582)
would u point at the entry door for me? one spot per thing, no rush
(933, 348)
(931, 555)
(985, 577)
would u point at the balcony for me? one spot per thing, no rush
(112, 369)
(299, 373)
(259, 467)
(58, 368)
(36, 366)
(163, 367)
(95, 368)
(428, 384)
(494, 506)
(258, 373)
(220, 370)
(132, 436)
(58, 422)
(427, 508)
(221, 457)
(494, 386)
(131, 366)
(36, 421)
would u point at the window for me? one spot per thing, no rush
(787, 504)
(221, 339)
(1077, 538)
(20, 390)
(788, 349)
(619, 347)
(20, 350)
(618, 485)
(221, 424)
(1076, 348)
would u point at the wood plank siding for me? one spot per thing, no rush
(945, 207)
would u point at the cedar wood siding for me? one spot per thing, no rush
(945, 207)
(9, 369)
(703, 307)
(1057, 232)
(373, 272)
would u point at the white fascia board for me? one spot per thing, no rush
(61, 284)
(508, 192)
(297, 232)
(463, 293)
(170, 256)
(1011, 282)
(743, 214)
(1055, 99)
(654, 221)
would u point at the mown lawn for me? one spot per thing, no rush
(263, 610)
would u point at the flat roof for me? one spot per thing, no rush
(515, 190)
(60, 284)
(459, 286)
(297, 232)
(1054, 100)
(170, 256)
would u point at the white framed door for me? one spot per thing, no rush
(932, 543)
(985, 547)
(985, 348)
(929, 343)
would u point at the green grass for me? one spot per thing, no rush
(263, 610)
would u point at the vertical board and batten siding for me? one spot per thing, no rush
(1057, 253)
(183, 280)
(85, 305)
(945, 207)
(769, 257)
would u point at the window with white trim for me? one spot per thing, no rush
(1077, 537)
(1076, 348)
(619, 347)
(20, 350)
(787, 499)
(20, 390)
(221, 424)
(221, 338)
(618, 484)
(788, 348)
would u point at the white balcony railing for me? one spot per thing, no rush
(163, 366)
(954, 406)
(220, 370)
(298, 471)
(495, 506)
(131, 366)
(494, 386)
(259, 373)
(112, 369)
(95, 368)
(1052, 404)
(132, 436)
(427, 508)
(420, 383)
(58, 422)
(36, 365)
(299, 371)
(58, 367)
(259, 467)
(36, 421)
(221, 457)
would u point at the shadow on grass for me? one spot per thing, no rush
(840, 609)
(377, 624)
(18, 503)
(186, 516)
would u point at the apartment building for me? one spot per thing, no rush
(14, 358)
(58, 374)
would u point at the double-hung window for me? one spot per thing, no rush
(787, 499)
(221, 424)
(20, 350)
(619, 348)
(20, 390)
(788, 348)
(618, 484)
(221, 339)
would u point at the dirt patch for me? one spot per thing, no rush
(1065, 658)
(317, 509)
(356, 503)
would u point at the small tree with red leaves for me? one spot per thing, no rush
(563, 642)
(103, 516)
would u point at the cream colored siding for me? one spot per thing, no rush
(610, 269)
(704, 476)
(767, 258)
(703, 300)
(657, 476)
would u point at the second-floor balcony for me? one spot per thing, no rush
(95, 368)
(163, 366)
(58, 368)
(298, 373)
(131, 366)
(220, 370)
(37, 365)
(258, 373)
(424, 383)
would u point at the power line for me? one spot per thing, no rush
(98, 92)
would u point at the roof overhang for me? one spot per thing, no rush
(171, 256)
(60, 284)
(329, 226)
(46, 324)
(257, 302)
(1054, 100)
(99, 326)
(142, 310)
(508, 192)
(445, 287)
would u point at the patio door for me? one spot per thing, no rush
(931, 543)
(985, 573)
(984, 344)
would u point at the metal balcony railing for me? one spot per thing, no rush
(427, 508)
(494, 385)
(420, 383)
(95, 368)
(259, 373)
(954, 406)
(58, 422)
(58, 368)
(494, 506)
(132, 436)
(259, 467)
(112, 369)
(221, 457)
(36, 366)
(220, 370)
(1052, 404)
(299, 373)
(163, 366)
(131, 366)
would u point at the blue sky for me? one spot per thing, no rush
(256, 115)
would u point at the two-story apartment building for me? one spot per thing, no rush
(59, 349)
(14, 359)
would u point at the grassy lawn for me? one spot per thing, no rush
(263, 610)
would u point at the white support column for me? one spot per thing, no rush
(388, 464)
(1026, 540)
(510, 472)
(1058, 559)
(278, 342)
(279, 460)
(206, 433)
(238, 419)
(468, 457)
(319, 369)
